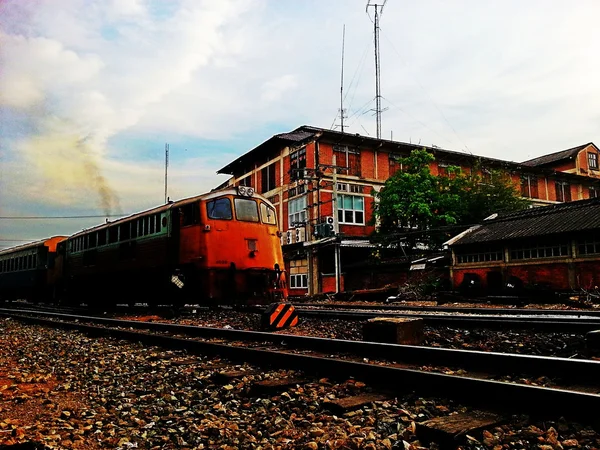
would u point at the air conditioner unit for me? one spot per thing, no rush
(283, 240)
(288, 236)
(300, 234)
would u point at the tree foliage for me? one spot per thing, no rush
(414, 199)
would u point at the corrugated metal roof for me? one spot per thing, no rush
(557, 156)
(582, 215)
(296, 135)
(356, 243)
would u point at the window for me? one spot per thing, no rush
(594, 192)
(246, 210)
(191, 215)
(589, 245)
(347, 158)
(219, 209)
(92, 240)
(540, 250)
(113, 234)
(563, 191)
(125, 231)
(351, 209)
(345, 187)
(297, 164)
(267, 214)
(246, 181)
(297, 211)
(267, 179)
(529, 186)
(298, 190)
(299, 281)
(102, 237)
(443, 168)
(395, 164)
(592, 160)
(480, 255)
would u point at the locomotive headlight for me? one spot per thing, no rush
(245, 191)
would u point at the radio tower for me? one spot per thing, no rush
(378, 12)
(342, 110)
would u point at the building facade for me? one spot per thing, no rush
(322, 183)
(551, 248)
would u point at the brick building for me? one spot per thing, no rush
(555, 247)
(304, 170)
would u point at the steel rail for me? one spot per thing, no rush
(454, 309)
(566, 369)
(550, 324)
(489, 394)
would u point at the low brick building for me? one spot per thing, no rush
(555, 247)
(305, 171)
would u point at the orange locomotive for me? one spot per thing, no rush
(222, 247)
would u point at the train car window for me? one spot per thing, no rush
(92, 240)
(152, 220)
(267, 214)
(246, 210)
(134, 225)
(157, 223)
(125, 233)
(28, 262)
(113, 234)
(191, 214)
(101, 237)
(219, 209)
(34, 261)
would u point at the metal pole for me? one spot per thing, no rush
(166, 168)
(336, 227)
(377, 76)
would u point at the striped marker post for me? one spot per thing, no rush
(278, 316)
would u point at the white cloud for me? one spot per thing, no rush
(506, 79)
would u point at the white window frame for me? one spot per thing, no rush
(299, 281)
(297, 211)
(341, 210)
(592, 160)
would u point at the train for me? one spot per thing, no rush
(218, 248)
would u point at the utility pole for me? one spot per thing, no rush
(378, 11)
(336, 227)
(166, 168)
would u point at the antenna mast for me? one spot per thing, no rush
(166, 167)
(378, 12)
(342, 82)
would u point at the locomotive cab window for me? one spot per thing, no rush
(267, 214)
(219, 209)
(191, 214)
(246, 210)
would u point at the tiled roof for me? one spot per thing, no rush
(557, 156)
(570, 217)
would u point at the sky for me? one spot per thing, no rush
(91, 90)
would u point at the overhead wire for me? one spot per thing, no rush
(426, 93)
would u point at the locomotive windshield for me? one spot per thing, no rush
(246, 210)
(219, 209)
(267, 214)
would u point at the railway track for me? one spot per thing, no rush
(566, 324)
(454, 309)
(331, 357)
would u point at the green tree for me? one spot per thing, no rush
(416, 204)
